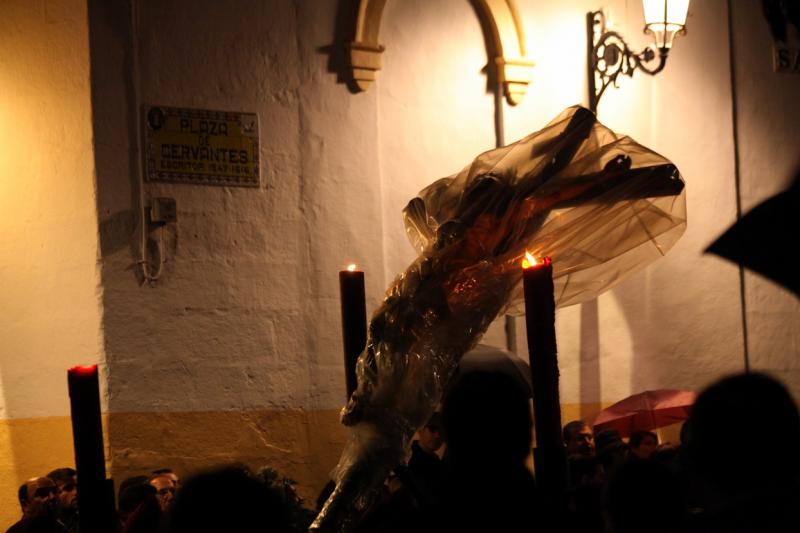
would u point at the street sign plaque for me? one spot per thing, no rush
(201, 146)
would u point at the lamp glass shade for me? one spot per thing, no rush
(665, 19)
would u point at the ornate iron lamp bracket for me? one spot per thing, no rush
(610, 56)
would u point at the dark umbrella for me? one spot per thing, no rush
(764, 240)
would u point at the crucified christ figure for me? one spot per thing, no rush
(600, 204)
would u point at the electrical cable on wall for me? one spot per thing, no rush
(142, 262)
(147, 274)
(737, 181)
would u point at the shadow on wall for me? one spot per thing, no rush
(635, 302)
(115, 151)
(345, 30)
(337, 51)
(492, 84)
(110, 34)
(589, 360)
(679, 334)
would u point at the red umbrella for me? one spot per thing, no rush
(646, 411)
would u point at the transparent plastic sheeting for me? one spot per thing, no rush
(598, 203)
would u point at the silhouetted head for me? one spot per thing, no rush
(66, 488)
(168, 473)
(146, 516)
(228, 499)
(134, 480)
(743, 432)
(644, 496)
(666, 453)
(611, 450)
(37, 496)
(165, 490)
(579, 438)
(133, 492)
(643, 444)
(430, 435)
(487, 421)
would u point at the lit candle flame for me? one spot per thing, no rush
(529, 261)
(351, 267)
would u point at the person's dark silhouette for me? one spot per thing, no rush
(741, 447)
(644, 495)
(487, 423)
(579, 438)
(228, 499)
(37, 497)
(139, 509)
(67, 497)
(585, 495)
(133, 491)
(411, 488)
(611, 450)
(642, 445)
(424, 465)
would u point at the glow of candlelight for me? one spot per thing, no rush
(84, 369)
(528, 261)
(351, 267)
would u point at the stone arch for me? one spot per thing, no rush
(506, 47)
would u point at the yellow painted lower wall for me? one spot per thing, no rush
(303, 445)
(28, 448)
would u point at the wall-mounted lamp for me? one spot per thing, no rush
(610, 56)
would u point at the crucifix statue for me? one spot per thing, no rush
(600, 204)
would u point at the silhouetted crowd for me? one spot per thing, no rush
(229, 498)
(736, 469)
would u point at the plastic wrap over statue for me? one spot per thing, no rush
(598, 203)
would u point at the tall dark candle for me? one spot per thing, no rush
(94, 508)
(550, 454)
(354, 321)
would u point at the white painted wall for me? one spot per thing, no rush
(435, 112)
(677, 324)
(246, 315)
(49, 281)
(768, 117)
(50, 292)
